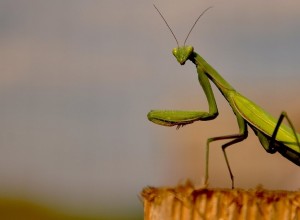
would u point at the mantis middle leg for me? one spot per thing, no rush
(243, 133)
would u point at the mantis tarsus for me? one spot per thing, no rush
(273, 135)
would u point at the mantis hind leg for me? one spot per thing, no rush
(272, 145)
(236, 138)
(275, 146)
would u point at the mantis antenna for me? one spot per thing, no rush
(166, 24)
(195, 24)
(190, 29)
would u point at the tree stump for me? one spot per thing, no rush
(185, 202)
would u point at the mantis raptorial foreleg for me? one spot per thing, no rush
(181, 118)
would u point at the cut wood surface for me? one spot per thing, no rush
(185, 202)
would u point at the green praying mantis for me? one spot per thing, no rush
(273, 135)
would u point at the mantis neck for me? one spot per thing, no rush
(212, 74)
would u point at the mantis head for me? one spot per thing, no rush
(183, 53)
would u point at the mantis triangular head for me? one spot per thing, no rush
(182, 54)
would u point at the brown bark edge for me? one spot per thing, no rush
(184, 202)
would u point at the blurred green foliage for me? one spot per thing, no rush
(26, 210)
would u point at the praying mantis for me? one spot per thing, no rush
(273, 135)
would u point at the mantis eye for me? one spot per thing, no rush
(175, 51)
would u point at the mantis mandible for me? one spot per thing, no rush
(273, 135)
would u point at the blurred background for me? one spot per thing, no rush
(77, 79)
